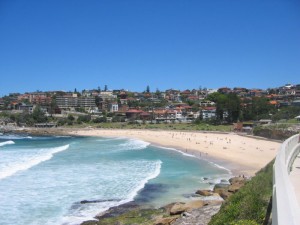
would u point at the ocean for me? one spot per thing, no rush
(67, 180)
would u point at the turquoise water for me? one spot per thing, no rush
(44, 179)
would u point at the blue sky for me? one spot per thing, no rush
(67, 44)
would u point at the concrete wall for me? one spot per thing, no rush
(285, 208)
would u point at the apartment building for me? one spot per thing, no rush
(66, 102)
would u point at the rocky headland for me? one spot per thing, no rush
(194, 212)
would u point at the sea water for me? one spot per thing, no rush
(68, 180)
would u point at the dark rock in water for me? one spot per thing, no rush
(190, 195)
(150, 191)
(97, 201)
(224, 181)
(90, 201)
(205, 178)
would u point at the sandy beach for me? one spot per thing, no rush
(243, 155)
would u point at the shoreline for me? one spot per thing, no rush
(242, 155)
(208, 146)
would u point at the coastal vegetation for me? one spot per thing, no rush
(249, 205)
(162, 126)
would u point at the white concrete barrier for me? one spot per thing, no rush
(285, 208)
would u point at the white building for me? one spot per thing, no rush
(113, 107)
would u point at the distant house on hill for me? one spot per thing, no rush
(133, 114)
(296, 103)
(208, 113)
(113, 107)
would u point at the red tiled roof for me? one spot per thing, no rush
(145, 114)
(209, 108)
(134, 111)
(273, 102)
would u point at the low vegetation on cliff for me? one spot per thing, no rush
(249, 205)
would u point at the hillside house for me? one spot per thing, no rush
(208, 113)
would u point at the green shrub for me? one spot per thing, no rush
(249, 203)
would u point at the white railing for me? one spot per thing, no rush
(285, 208)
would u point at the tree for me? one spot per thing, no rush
(84, 119)
(148, 89)
(71, 117)
(226, 104)
(38, 115)
(233, 106)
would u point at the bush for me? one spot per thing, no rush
(244, 222)
(71, 117)
(61, 122)
(100, 120)
(249, 203)
(84, 119)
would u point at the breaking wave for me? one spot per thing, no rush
(27, 162)
(134, 144)
(84, 212)
(6, 143)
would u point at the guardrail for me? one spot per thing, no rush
(285, 208)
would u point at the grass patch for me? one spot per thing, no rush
(249, 205)
(138, 216)
(162, 126)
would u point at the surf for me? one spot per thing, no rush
(6, 143)
(27, 162)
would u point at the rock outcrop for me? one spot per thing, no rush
(179, 208)
(205, 192)
(225, 190)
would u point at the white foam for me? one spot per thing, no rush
(105, 139)
(31, 161)
(14, 137)
(134, 144)
(176, 150)
(85, 212)
(89, 211)
(221, 167)
(6, 143)
(145, 181)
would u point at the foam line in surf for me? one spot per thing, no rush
(142, 184)
(88, 211)
(191, 155)
(6, 143)
(14, 137)
(27, 163)
(176, 150)
(220, 167)
(134, 144)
